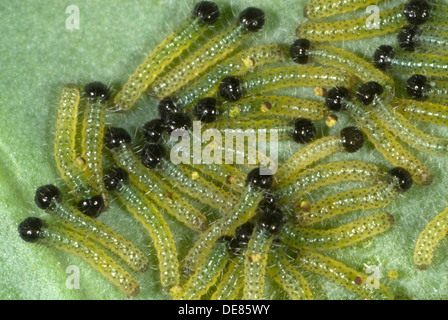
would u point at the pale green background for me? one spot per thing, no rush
(38, 56)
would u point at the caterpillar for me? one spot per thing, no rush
(259, 106)
(428, 239)
(339, 273)
(239, 64)
(373, 197)
(323, 175)
(354, 29)
(318, 9)
(303, 51)
(386, 57)
(37, 231)
(92, 136)
(65, 139)
(414, 12)
(118, 140)
(344, 235)
(400, 126)
(350, 139)
(225, 176)
(285, 129)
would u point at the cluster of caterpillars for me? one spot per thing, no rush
(261, 225)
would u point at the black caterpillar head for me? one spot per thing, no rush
(257, 179)
(417, 11)
(299, 51)
(383, 56)
(402, 178)
(206, 11)
(252, 19)
(336, 98)
(114, 178)
(30, 229)
(352, 139)
(416, 87)
(304, 131)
